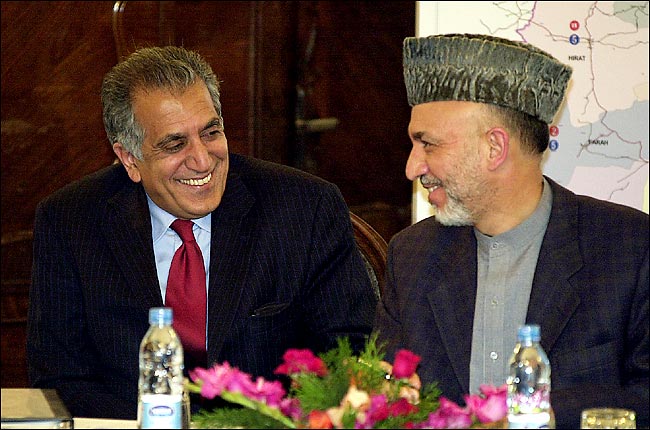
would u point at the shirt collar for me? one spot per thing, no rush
(161, 220)
(529, 229)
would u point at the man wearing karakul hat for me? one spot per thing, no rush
(508, 245)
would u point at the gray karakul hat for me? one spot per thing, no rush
(484, 69)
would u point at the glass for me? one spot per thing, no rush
(608, 418)
(186, 420)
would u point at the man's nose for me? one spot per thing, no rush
(198, 158)
(416, 165)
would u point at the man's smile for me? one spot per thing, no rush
(196, 182)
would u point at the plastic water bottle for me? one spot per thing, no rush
(160, 387)
(529, 383)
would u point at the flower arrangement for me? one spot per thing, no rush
(340, 390)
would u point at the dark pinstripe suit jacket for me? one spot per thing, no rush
(284, 272)
(589, 294)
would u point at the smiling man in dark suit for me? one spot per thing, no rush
(281, 266)
(508, 245)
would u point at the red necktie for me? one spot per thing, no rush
(186, 290)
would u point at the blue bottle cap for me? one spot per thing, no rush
(529, 332)
(161, 316)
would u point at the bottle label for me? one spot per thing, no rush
(160, 411)
(539, 420)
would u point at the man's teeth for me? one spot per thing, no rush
(196, 182)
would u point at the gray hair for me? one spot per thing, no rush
(171, 67)
(532, 132)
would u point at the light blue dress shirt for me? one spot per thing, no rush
(166, 241)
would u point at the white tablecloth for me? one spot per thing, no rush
(104, 423)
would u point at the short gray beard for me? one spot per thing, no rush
(454, 213)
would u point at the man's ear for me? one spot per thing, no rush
(128, 160)
(498, 146)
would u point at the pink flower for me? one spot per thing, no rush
(261, 390)
(492, 407)
(405, 364)
(401, 407)
(269, 392)
(449, 415)
(435, 421)
(490, 390)
(378, 408)
(291, 408)
(377, 411)
(301, 360)
(224, 377)
(214, 379)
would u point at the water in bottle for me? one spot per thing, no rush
(160, 395)
(529, 382)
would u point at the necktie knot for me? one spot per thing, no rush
(183, 228)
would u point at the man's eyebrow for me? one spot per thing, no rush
(423, 136)
(178, 136)
(169, 138)
(418, 135)
(215, 122)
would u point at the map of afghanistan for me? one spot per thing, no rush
(599, 139)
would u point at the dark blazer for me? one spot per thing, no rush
(284, 273)
(589, 295)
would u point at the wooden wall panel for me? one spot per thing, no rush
(354, 74)
(16, 264)
(346, 56)
(54, 55)
(248, 44)
(217, 30)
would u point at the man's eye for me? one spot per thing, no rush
(174, 146)
(211, 134)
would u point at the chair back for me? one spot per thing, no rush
(373, 248)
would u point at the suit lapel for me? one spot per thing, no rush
(452, 286)
(231, 253)
(552, 300)
(128, 234)
(127, 229)
(452, 296)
